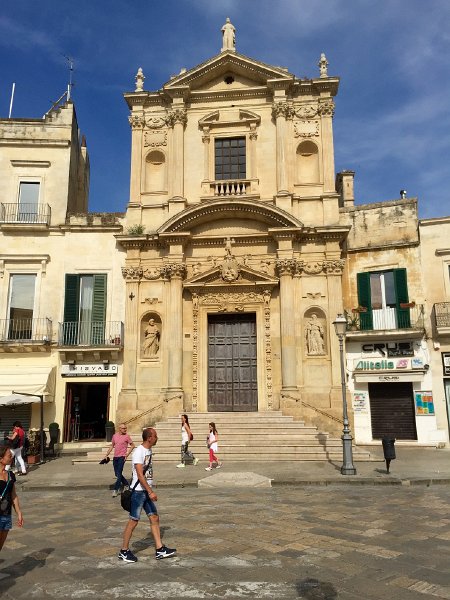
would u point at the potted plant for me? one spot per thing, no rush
(109, 430)
(407, 304)
(34, 446)
(352, 320)
(359, 309)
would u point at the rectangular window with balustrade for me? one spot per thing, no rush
(84, 310)
(230, 158)
(28, 201)
(21, 306)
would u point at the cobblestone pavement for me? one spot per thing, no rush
(315, 543)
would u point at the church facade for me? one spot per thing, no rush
(234, 247)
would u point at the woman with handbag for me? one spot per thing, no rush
(8, 496)
(186, 437)
(16, 442)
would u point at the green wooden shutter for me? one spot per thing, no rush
(364, 299)
(71, 310)
(401, 296)
(99, 309)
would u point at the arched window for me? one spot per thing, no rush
(308, 163)
(155, 172)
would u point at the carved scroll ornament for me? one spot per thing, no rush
(136, 121)
(174, 270)
(326, 108)
(282, 109)
(306, 111)
(132, 273)
(176, 115)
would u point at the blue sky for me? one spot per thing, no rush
(392, 121)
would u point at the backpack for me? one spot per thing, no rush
(15, 443)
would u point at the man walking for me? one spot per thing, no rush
(143, 497)
(123, 445)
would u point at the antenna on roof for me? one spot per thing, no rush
(70, 84)
(12, 100)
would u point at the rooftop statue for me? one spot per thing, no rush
(228, 37)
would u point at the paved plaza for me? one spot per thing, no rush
(316, 542)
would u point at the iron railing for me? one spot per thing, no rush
(25, 213)
(26, 330)
(91, 333)
(442, 314)
(407, 316)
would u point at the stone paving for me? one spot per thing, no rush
(315, 543)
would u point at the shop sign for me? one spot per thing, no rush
(446, 363)
(98, 370)
(389, 349)
(424, 403)
(360, 402)
(399, 364)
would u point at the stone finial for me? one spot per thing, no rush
(228, 37)
(323, 65)
(139, 80)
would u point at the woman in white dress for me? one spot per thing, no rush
(186, 437)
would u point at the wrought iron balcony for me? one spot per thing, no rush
(442, 316)
(408, 316)
(30, 331)
(25, 213)
(91, 333)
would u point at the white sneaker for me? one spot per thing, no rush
(195, 461)
(218, 465)
(181, 466)
(114, 494)
(208, 468)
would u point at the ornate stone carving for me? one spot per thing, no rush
(268, 350)
(174, 270)
(326, 108)
(306, 129)
(306, 111)
(314, 333)
(230, 269)
(225, 299)
(152, 273)
(152, 335)
(313, 268)
(139, 78)
(194, 352)
(334, 267)
(282, 109)
(286, 267)
(136, 121)
(323, 65)
(150, 301)
(228, 36)
(176, 115)
(132, 273)
(155, 122)
(253, 135)
(155, 138)
(206, 137)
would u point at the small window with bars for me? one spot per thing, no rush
(230, 159)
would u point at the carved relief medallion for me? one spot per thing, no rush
(155, 138)
(306, 129)
(306, 111)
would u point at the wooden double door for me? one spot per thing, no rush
(232, 373)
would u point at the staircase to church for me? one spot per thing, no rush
(254, 436)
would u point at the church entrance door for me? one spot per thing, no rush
(232, 380)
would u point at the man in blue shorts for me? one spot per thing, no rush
(143, 497)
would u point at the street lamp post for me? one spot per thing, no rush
(340, 326)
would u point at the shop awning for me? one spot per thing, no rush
(17, 382)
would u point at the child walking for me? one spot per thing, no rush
(213, 438)
(8, 496)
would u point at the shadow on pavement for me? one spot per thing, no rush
(323, 441)
(312, 589)
(35, 560)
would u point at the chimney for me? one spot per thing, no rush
(345, 188)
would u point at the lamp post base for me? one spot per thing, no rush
(348, 467)
(348, 470)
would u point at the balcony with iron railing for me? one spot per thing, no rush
(25, 331)
(91, 334)
(441, 312)
(407, 319)
(25, 214)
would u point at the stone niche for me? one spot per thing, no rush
(315, 333)
(150, 336)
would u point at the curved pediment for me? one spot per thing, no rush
(214, 210)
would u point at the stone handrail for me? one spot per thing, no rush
(322, 412)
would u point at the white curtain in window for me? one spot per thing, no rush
(86, 297)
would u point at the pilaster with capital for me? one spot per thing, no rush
(177, 119)
(281, 111)
(206, 139)
(137, 122)
(334, 270)
(175, 273)
(286, 269)
(131, 342)
(253, 136)
(326, 112)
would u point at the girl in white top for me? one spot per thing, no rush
(213, 438)
(186, 437)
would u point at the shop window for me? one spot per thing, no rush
(308, 163)
(230, 158)
(155, 172)
(21, 306)
(382, 294)
(84, 310)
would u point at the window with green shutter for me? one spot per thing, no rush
(85, 309)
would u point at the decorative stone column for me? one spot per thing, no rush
(131, 342)
(137, 122)
(326, 112)
(281, 111)
(286, 270)
(177, 119)
(334, 270)
(253, 136)
(175, 272)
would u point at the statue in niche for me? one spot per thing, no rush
(315, 336)
(229, 36)
(150, 347)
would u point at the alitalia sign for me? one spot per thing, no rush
(400, 364)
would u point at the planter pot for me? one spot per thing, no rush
(407, 304)
(33, 459)
(109, 433)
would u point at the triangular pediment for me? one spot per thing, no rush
(231, 272)
(240, 71)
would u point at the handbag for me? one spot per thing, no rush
(191, 437)
(4, 503)
(125, 496)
